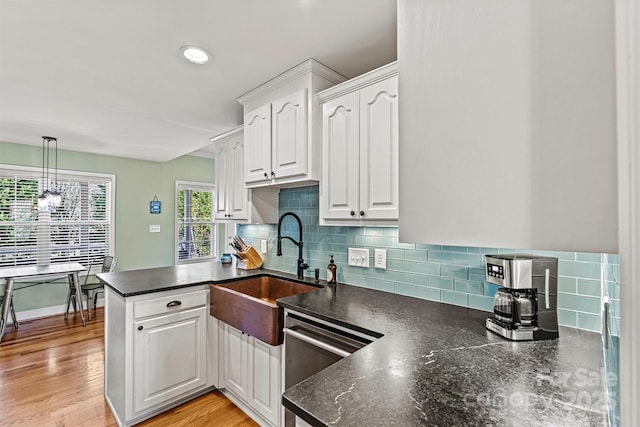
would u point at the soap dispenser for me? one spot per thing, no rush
(332, 272)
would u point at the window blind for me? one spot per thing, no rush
(78, 231)
(194, 222)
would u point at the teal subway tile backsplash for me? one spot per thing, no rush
(591, 257)
(567, 284)
(481, 302)
(417, 255)
(429, 268)
(440, 256)
(589, 287)
(441, 282)
(580, 303)
(393, 264)
(455, 271)
(455, 298)
(468, 287)
(589, 322)
(447, 274)
(429, 293)
(568, 318)
(405, 289)
(584, 270)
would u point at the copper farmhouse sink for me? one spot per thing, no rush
(250, 305)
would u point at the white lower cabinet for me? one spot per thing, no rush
(252, 373)
(264, 379)
(156, 352)
(169, 356)
(236, 351)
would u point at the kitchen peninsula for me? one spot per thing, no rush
(433, 364)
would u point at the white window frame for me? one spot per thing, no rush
(214, 232)
(62, 174)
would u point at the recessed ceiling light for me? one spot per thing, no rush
(195, 55)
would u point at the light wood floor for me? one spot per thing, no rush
(52, 374)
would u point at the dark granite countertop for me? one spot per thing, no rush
(150, 280)
(436, 364)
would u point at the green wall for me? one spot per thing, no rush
(137, 182)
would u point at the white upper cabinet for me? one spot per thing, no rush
(234, 202)
(341, 157)
(507, 118)
(257, 125)
(359, 183)
(231, 195)
(282, 127)
(289, 135)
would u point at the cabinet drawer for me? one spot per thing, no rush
(168, 304)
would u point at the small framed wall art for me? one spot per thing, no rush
(155, 206)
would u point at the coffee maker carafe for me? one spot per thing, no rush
(525, 307)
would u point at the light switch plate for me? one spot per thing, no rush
(263, 246)
(380, 258)
(154, 228)
(359, 257)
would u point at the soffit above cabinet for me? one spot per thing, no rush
(508, 140)
(281, 85)
(359, 82)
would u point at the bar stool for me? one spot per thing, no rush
(11, 310)
(91, 289)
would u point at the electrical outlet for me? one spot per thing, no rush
(263, 246)
(380, 256)
(154, 228)
(359, 257)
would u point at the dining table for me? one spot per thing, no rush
(50, 271)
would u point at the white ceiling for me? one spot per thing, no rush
(107, 77)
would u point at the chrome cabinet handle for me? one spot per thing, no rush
(546, 288)
(317, 343)
(605, 324)
(174, 304)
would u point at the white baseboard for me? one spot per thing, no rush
(244, 408)
(47, 311)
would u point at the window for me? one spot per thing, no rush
(80, 230)
(195, 229)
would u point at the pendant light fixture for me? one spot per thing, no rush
(50, 198)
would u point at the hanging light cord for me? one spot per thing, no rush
(43, 154)
(56, 170)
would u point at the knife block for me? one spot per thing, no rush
(249, 259)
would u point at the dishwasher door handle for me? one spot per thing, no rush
(323, 345)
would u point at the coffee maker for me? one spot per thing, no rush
(525, 306)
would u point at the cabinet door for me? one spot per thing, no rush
(264, 379)
(237, 200)
(169, 357)
(340, 158)
(257, 138)
(221, 167)
(289, 135)
(235, 362)
(379, 150)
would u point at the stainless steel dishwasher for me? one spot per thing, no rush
(312, 344)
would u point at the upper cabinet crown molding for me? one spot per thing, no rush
(367, 79)
(282, 120)
(282, 82)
